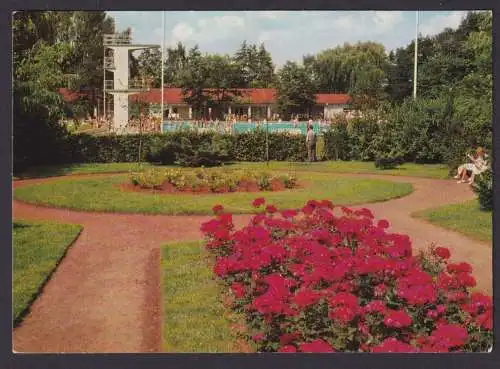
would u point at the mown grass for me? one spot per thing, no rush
(194, 318)
(465, 218)
(86, 168)
(104, 194)
(38, 247)
(439, 171)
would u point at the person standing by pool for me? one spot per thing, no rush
(311, 144)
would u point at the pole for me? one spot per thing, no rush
(415, 63)
(162, 70)
(104, 83)
(267, 142)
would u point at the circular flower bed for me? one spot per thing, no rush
(211, 180)
(325, 279)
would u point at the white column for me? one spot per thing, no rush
(190, 112)
(249, 112)
(269, 112)
(209, 113)
(229, 109)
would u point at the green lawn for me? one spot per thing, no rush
(194, 318)
(87, 168)
(465, 218)
(37, 249)
(409, 169)
(104, 194)
(438, 171)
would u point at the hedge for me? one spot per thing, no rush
(250, 146)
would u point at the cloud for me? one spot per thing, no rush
(438, 23)
(182, 32)
(268, 14)
(207, 30)
(386, 20)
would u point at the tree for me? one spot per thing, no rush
(176, 61)
(149, 65)
(210, 81)
(193, 81)
(256, 65)
(295, 89)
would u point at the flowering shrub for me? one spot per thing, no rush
(326, 278)
(212, 180)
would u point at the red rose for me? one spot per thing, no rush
(394, 345)
(287, 348)
(258, 337)
(288, 213)
(316, 346)
(271, 209)
(383, 223)
(217, 209)
(258, 202)
(238, 289)
(397, 319)
(442, 252)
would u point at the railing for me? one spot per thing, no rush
(117, 39)
(132, 85)
(109, 84)
(137, 85)
(109, 62)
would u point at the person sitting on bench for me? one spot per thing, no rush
(478, 166)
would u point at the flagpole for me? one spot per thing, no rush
(415, 64)
(162, 70)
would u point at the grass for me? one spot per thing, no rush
(193, 314)
(87, 168)
(465, 218)
(437, 171)
(104, 194)
(38, 248)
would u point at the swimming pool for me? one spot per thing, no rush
(241, 127)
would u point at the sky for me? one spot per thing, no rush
(287, 35)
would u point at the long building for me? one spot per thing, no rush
(252, 103)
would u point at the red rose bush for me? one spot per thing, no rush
(331, 279)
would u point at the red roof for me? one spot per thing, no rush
(333, 99)
(69, 95)
(252, 95)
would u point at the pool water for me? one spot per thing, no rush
(241, 127)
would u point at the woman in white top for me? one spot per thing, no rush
(478, 166)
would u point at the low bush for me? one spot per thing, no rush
(389, 161)
(483, 187)
(212, 180)
(325, 279)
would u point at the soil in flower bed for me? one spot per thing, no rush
(244, 186)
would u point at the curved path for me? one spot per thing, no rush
(105, 295)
